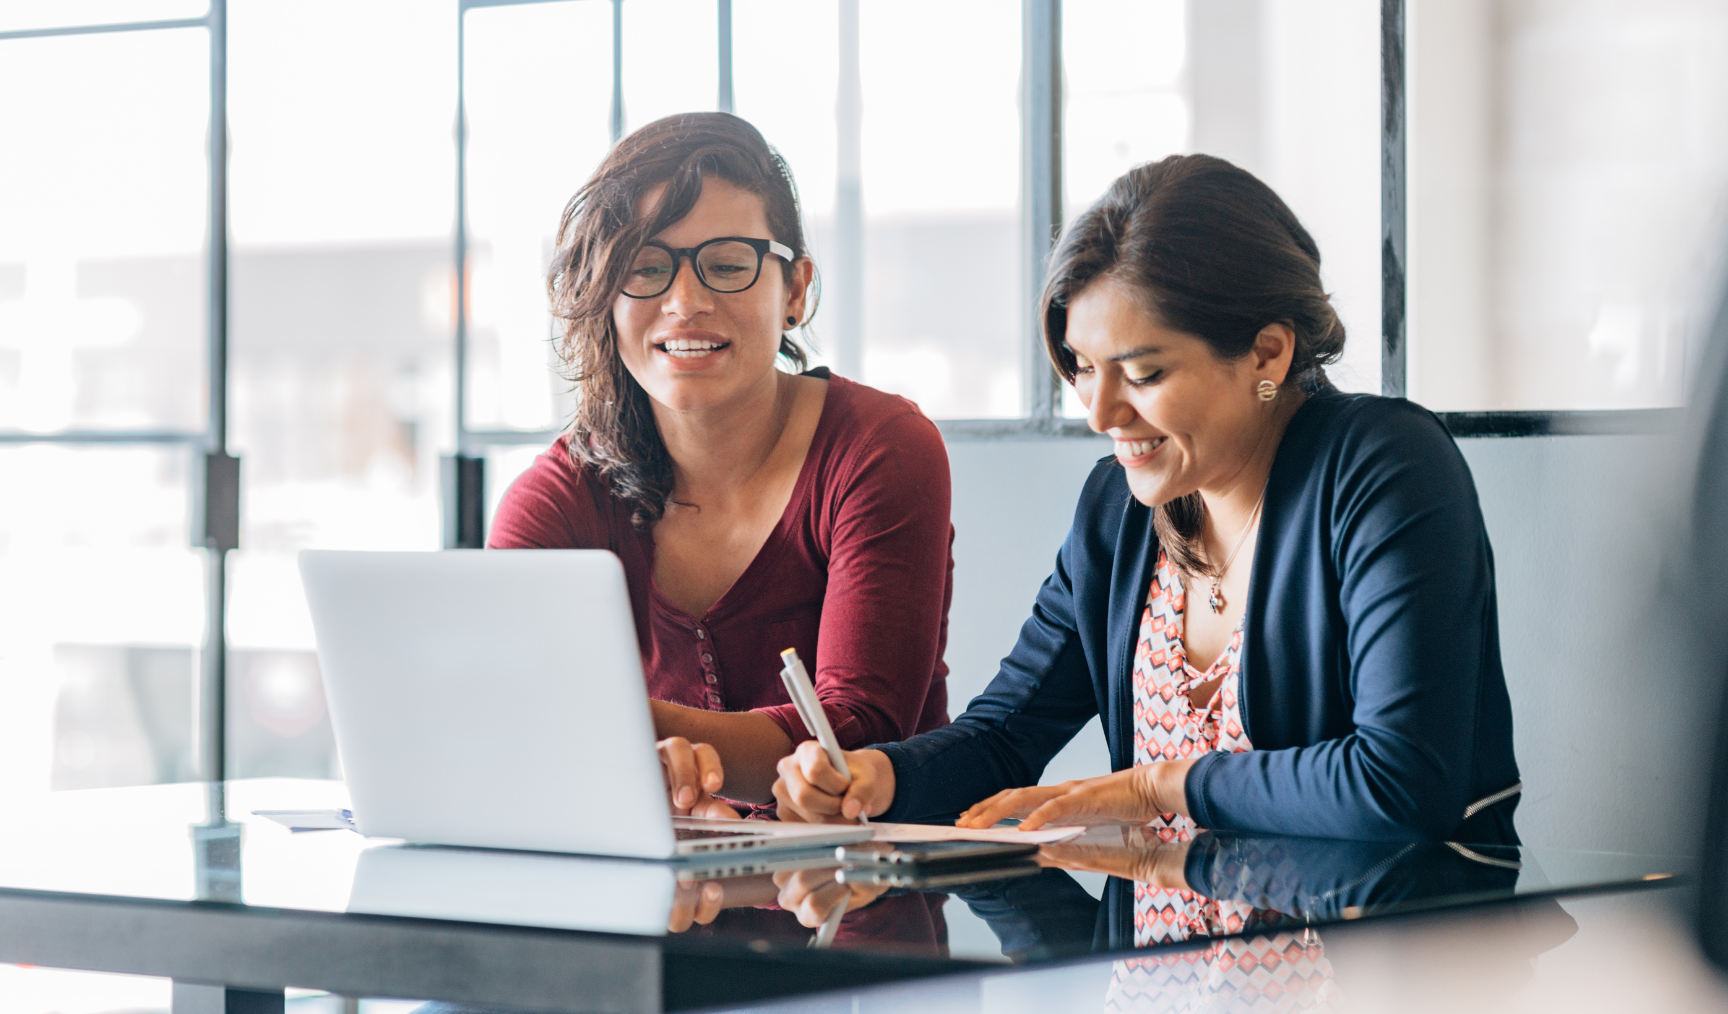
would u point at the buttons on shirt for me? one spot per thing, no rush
(709, 674)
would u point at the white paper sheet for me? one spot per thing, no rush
(942, 832)
(310, 820)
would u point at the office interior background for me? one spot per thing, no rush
(1566, 170)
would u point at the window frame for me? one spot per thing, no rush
(216, 496)
(216, 529)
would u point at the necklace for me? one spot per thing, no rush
(1216, 599)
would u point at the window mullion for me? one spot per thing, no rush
(1041, 190)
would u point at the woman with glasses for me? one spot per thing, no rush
(754, 508)
(1278, 597)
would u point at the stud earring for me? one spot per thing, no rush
(1266, 390)
(791, 321)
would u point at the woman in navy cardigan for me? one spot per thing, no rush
(1330, 546)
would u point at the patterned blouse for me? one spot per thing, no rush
(1278, 971)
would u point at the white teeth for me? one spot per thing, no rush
(684, 348)
(1136, 448)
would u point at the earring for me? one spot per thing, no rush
(1266, 390)
(791, 321)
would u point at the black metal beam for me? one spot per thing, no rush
(464, 495)
(217, 526)
(1616, 422)
(262, 950)
(197, 998)
(219, 497)
(1394, 251)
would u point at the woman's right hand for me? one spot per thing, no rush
(693, 774)
(812, 895)
(810, 790)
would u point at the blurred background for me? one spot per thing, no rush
(1567, 167)
(1565, 177)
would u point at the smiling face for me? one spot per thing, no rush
(1182, 419)
(692, 348)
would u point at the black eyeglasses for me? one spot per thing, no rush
(727, 264)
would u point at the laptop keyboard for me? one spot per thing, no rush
(693, 834)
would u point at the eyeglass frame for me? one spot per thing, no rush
(763, 248)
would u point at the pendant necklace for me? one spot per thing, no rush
(1216, 599)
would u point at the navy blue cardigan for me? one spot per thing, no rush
(1371, 680)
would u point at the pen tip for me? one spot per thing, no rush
(789, 654)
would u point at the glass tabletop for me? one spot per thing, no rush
(1113, 889)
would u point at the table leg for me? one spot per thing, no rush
(198, 998)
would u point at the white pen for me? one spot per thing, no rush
(803, 694)
(831, 926)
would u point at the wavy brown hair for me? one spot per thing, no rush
(613, 431)
(1215, 254)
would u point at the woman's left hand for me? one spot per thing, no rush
(1159, 864)
(1134, 796)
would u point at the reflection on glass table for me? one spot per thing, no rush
(1223, 912)
(135, 843)
(1249, 895)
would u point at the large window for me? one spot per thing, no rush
(910, 182)
(1569, 189)
(373, 146)
(340, 378)
(350, 296)
(103, 200)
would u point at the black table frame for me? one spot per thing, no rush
(237, 959)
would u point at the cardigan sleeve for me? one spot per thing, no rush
(1041, 697)
(1415, 588)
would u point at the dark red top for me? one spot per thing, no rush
(857, 576)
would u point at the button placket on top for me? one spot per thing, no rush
(710, 669)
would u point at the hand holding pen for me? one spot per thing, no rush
(819, 782)
(820, 901)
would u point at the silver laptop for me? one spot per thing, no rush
(600, 895)
(496, 700)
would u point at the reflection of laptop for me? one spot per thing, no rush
(496, 700)
(536, 889)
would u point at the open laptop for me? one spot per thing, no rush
(496, 700)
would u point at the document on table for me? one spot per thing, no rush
(333, 820)
(310, 820)
(942, 832)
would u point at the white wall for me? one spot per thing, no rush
(1611, 729)
(1013, 500)
(1609, 740)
